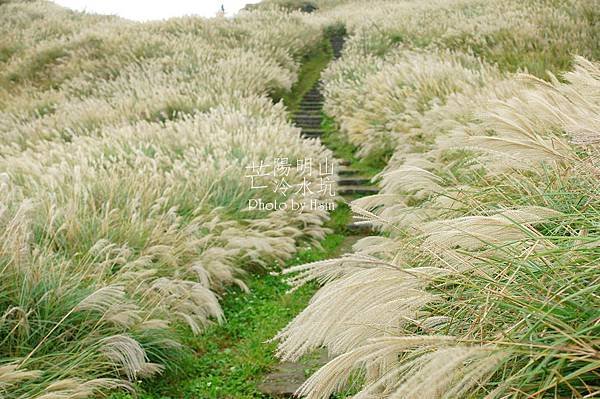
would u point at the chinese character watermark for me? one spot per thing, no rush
(307, 184)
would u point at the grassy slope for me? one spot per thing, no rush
(230, 360)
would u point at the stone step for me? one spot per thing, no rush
(311, 133)
(315, 113)
(311, 104)
(313, 124)
(357, 190)
(316, 124)
(363, 228)
(287, 377)
(353, 180)
(347, 171)
(308, 112)
(308, 107)
(308, 104)
(309, 128)
(307, 118)
(313, 100)
(344, 162)
(284, 380)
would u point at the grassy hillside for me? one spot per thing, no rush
(128, 156)
(125, 150)
(483, 281)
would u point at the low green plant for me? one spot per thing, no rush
(232, 359)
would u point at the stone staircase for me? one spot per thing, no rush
(337, 43)
(287, 377)
(309, 118)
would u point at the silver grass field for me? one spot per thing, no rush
(123, 154)
(124, 148)
(484, 281)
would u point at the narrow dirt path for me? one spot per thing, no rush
(287, 377)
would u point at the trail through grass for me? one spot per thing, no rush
(230, 360)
